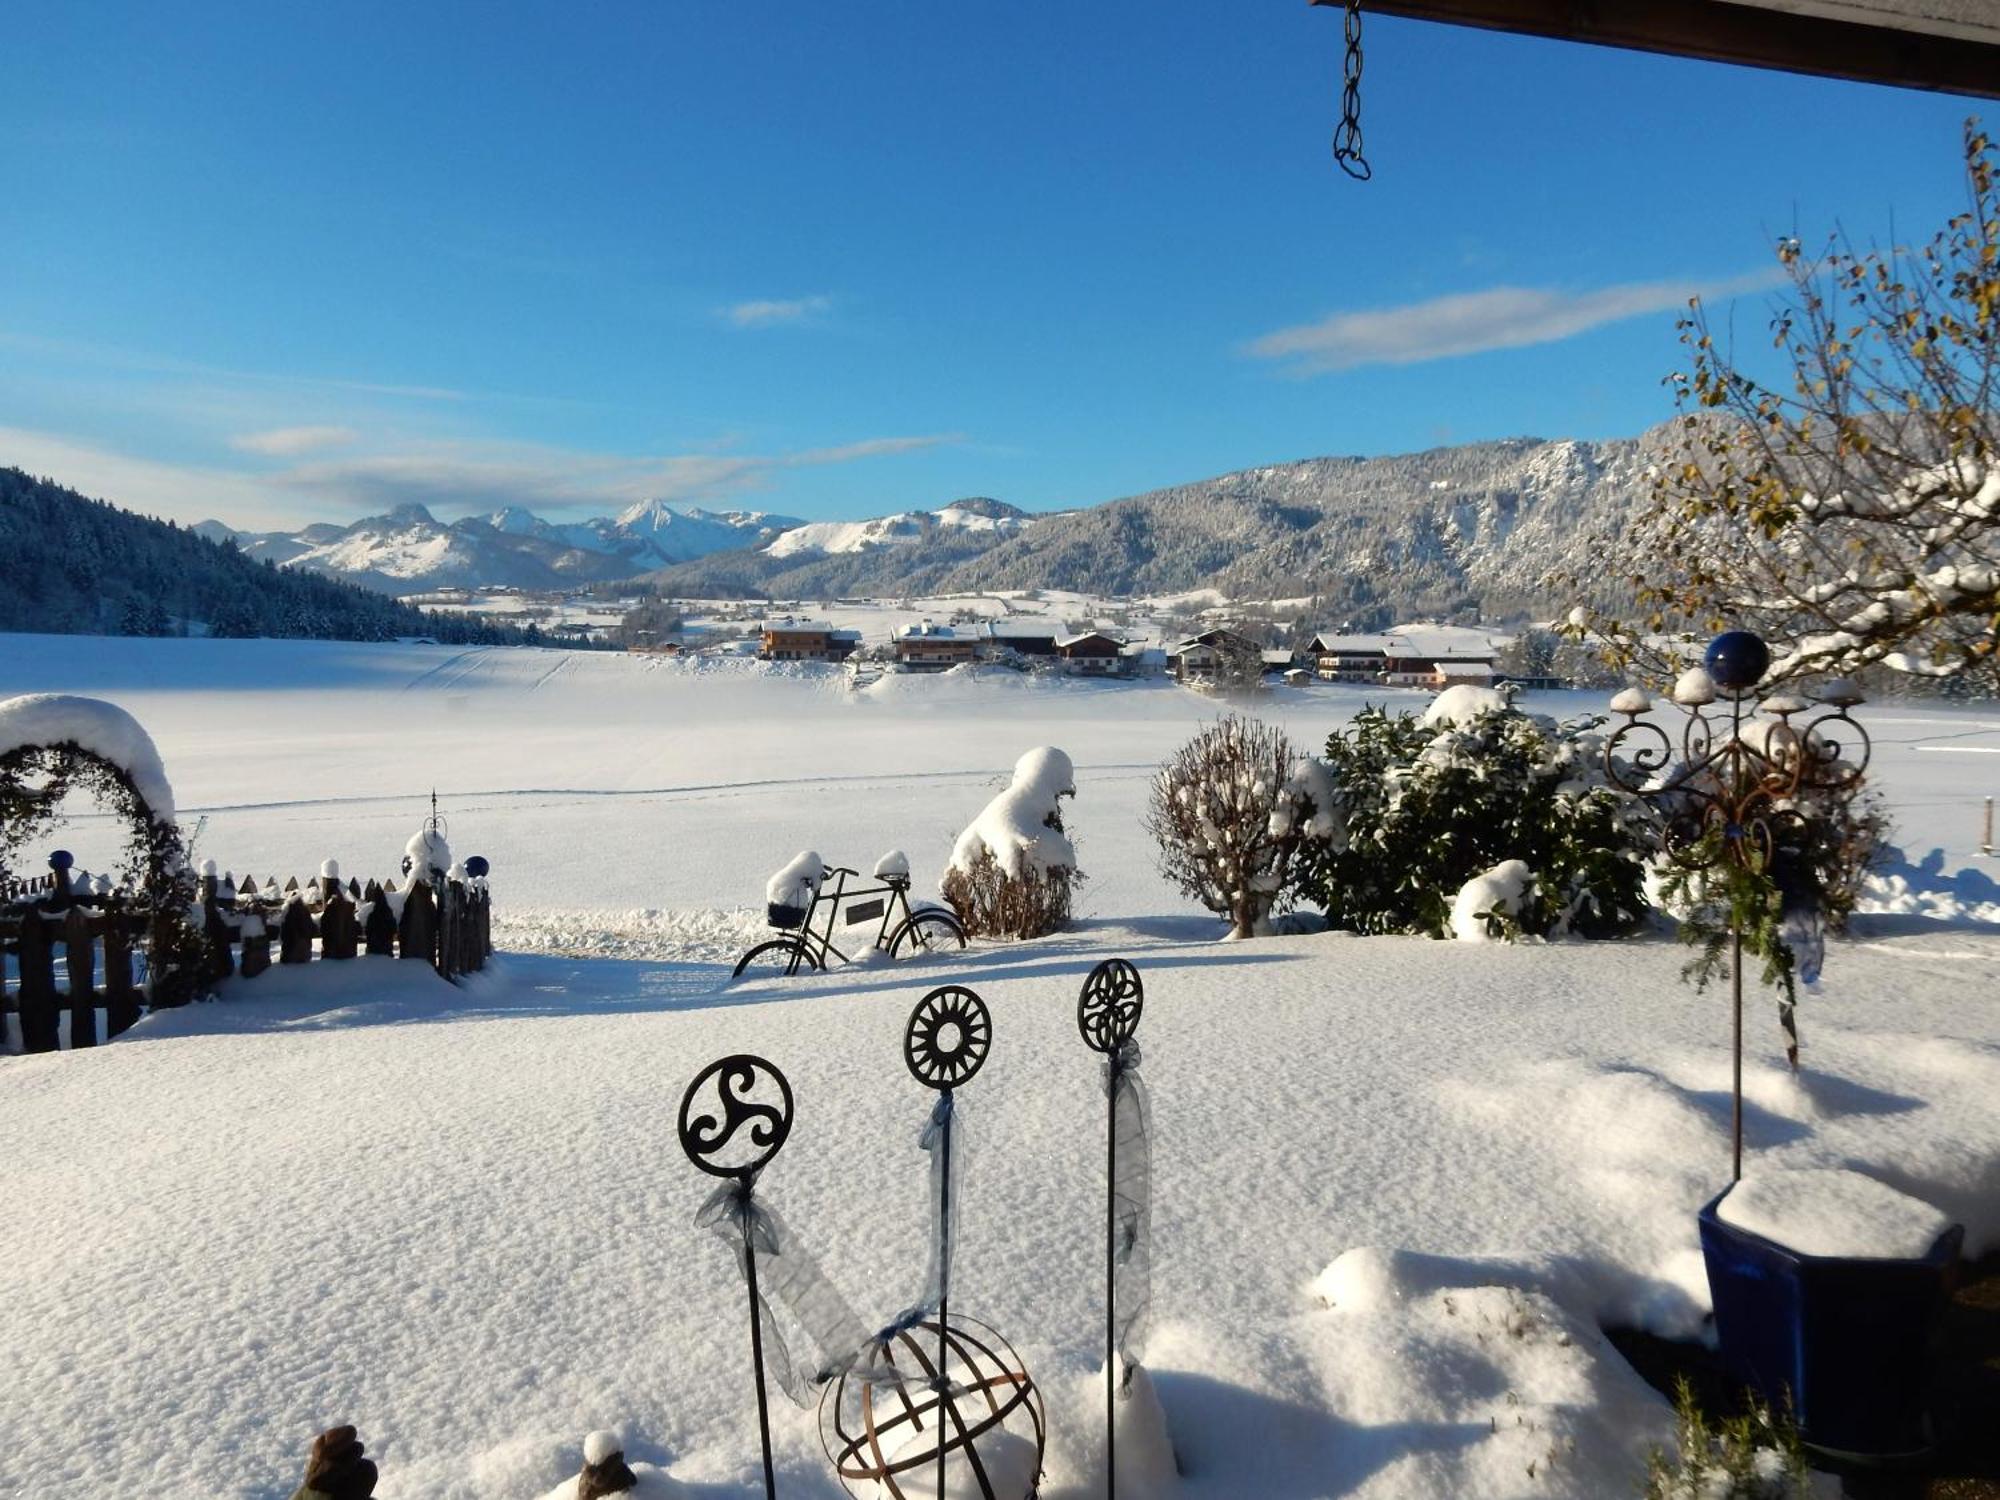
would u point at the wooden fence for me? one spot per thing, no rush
(449, 928)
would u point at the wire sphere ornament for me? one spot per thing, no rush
(1108, 1009)
(756, 1104)
(958, 1380)
(948, 1037)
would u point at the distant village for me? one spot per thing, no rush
(926, 646)
(1232, 653)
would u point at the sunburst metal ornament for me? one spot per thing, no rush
(948, 1036)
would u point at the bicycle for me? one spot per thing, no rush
(805, 945)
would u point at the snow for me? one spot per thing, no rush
(455, 1215)
(1007, 1457)
(104, 729)
(797, 883)
(600, 1445)
(1694, 688)
(1835, 1212)
(1633, 700)
(1462, 703)
(894, 865)
(1501, 889)
(1014, 827)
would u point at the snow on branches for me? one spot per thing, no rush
(1850, 513)
(1230, 811)
(1013, 870)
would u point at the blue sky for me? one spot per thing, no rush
(287, 262)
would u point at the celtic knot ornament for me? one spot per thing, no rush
(947, 1038)
(1108, 1009)
(756, 1106)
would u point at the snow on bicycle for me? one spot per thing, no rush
(809, 902)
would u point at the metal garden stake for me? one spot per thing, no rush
(1107, 1014)
(944, 1044)
(707, 1140)
(1737, 785)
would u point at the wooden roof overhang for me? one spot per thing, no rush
(1951, 46)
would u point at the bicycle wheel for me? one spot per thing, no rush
(779, 956)
(927, 931)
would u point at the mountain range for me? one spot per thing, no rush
(409, 550)
(1473, 529)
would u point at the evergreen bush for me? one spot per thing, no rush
(1431, 803)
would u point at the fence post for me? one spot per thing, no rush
(256, 944)
(38, 984)
(80, 952)
(379, 932)
(337, 929)
(217, 961)
(295, 932)
(121, 996)
(416, 935)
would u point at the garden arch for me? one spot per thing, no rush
(54, 744)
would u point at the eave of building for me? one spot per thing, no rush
(1949, 46)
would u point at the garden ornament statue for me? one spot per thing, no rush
(1107, 1015)
(1734, 796)
(942, 1405)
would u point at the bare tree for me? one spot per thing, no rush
(1852, 512)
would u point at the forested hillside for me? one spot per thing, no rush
(70, 565)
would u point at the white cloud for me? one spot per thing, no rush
(178, 492)
(1473, 322)
(288, 442)
(764, 314)
(452, 477)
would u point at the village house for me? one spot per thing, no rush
(1092, 654)
(930, 647)
(1206, 655)
(1030, 638)
(805, 640)
(1349, 658)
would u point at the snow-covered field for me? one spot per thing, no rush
(1399, 1184)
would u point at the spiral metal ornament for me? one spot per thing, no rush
(1108, 1009)
(756, 1104)
(947, 1038)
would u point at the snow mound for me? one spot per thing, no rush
(429, 855)
(1014, 828)
(894, 865)
(1501, 889)
(1833, 1211)
(796, 884)
(1007, 1457)
(1461, 704)
(1534, 1398)
(104, 729)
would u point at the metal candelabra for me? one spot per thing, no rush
(1731, 790)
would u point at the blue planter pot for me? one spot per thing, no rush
(1845, 1344)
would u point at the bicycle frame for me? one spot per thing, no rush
(834, 891)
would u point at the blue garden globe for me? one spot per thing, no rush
(476, 866)
(1737, 660)
(62, 859)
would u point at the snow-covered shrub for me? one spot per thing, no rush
(1438, 809)
(1232, 810)
(1013, 870)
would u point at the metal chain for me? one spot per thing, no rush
(1347, 135)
